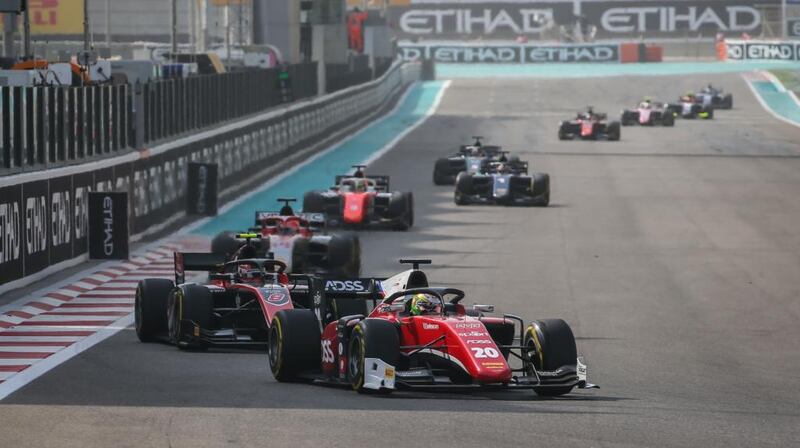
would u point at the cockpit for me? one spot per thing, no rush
(357, 185)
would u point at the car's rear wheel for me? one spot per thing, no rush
(189, 304)
(550, 345)
(441, 172)
(464, 188)
(313, 202)
(225, 243)
(150, 308)
(294, 344)
(371, 339)
(614, 131)
(541, 188)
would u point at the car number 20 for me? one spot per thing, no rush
(485, 352)
(327, 353)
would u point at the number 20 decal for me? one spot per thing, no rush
(327, 353)
(485, 352)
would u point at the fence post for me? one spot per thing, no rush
(139, 115)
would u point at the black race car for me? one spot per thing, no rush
(688, 107)
(299, 240)
(714, 97)
(470, 158)
(359, 201)
(589, 125)
(648, 113)
(235, 305)
(504, 183)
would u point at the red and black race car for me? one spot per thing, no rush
(589, 125)
(361, 201)
(403, 344)
(299, 240)
(235, 305)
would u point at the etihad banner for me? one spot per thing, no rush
(763, 50)
(509, 54)
(488, 19)
(54, 17)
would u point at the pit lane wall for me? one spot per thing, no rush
(43, 214)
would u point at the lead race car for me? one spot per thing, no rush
(471, 158)
(418, 336)
(359, 201)
(235, 304)
(590, 125)
(714, 97)
(503, 183)
(648, 113)
(688, 107)
(299, 240)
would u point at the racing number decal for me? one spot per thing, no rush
(485, 352)
(327, 353)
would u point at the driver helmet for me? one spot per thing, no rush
(249, 273)
(475, 151)
(360, 185)
(289, 227)
(503, 168)
(423, 304)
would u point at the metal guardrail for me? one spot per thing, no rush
(50, 126)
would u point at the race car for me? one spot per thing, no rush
(589, 125)
(298, 240)
(503, 183)
(359, 201)
(470, 158)
(714, 97)
(418, 336)
(688, 107)
(235, 305)
(648, 113)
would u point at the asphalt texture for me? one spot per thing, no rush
(674, 254)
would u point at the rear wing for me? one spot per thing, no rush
(489, 150)
(195, 261)
(516, 167)
(381, 182)
(315, 220)
(352, 288)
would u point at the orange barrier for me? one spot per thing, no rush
(722, 50)
(654, 53)
(628, 53)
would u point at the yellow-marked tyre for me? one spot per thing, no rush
(371, 339)
(189, 308)
(294, 345)
(550, 345)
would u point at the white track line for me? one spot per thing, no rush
(17, 362)
(779, 86)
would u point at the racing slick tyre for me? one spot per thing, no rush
(294, 344)
(727, 102)
(313, 202)
(225, 243)
(299, 256)
(463, 188)
(401, 205)
(150, 308)
(441, 172)
(551, 345)
(627, 118)
(562, 134)
(710, 115)
(668, 120)
(614, 131)
(371, 338)
(541, 188)
(344, 256)
(189, 304)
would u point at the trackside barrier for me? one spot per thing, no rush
(762, 50)
(43, 214)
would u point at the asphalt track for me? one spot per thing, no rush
(674, 254)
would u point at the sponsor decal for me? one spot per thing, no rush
(9, 227)
(469, 325)
(479, 341)
(35, 224)
(793, 27)
(739, 50)
(345, 286)
(108, 226)
(61, 233)
(327, 352)
(413, 374)
(456, 19)
(473, 334)
(389, 373)
(276, 298)
(427, 326)
(511, 53)
(549, 373)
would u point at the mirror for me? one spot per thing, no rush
(483, 308)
